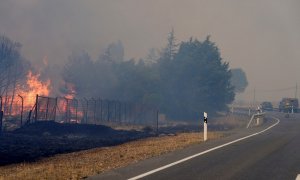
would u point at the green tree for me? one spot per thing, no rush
(198, 80)
(79, 71)
(239, 80)
(137, 82)
(182, 83)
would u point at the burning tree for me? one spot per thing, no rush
(17, 78)
(12, 70)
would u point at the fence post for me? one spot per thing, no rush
(1, 116)
(120, 111)
(101, 110)
(36, 107)
(157, 117)
(22, 103)
(87, 110)
(55, 109)
(0, 103)
(115, 111)
(47, 108)
(67, 110)
(108, 110)
(76, 117)
(29, 116)
(125, 112)
(95, 108)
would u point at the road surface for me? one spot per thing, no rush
(271, 154)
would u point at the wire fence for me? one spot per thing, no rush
(19, 110)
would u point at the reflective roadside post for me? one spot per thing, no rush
(258, 112)
(205, 126)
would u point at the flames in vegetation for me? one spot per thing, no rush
(33, 87)
(70, 91)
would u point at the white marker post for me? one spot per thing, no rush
(258, 112)
(205, 126)
(257, 120)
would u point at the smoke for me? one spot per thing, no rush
(261, 37)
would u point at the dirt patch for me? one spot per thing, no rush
(89, 162)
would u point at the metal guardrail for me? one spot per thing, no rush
(258, 115)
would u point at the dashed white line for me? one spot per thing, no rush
(201, 153)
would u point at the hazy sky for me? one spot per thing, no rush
(260, 36)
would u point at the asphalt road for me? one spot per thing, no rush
(273, 154)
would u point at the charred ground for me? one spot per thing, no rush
(43, 139)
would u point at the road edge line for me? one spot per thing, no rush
(203, 152)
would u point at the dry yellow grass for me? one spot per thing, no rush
(86, 163)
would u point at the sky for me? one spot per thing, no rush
(260, 36)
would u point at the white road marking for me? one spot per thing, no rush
(201, 153)
(298, 177)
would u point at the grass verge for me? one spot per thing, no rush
(81, 164)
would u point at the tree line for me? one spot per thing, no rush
(181, 80)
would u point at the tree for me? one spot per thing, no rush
(170, 50)
(181, 83)
(198, 80)
(9, 58)
(152, 57)
(89, 78)
(79, 72)
(13, 68)
(239, 80)
(114, 52)
(137, 83)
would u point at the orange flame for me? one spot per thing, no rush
(35, 86)
(71, 91)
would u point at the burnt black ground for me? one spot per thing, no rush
(44, 139)
(47, 138)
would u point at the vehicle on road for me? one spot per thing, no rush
(289, 105)
(266, 106)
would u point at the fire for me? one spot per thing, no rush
(34, 87)
(70, 91)
(68, 104)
